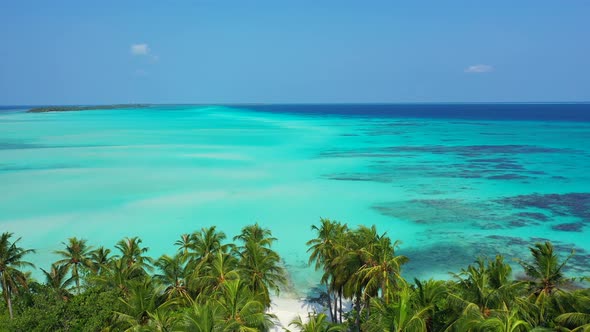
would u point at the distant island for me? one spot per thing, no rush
(83, 108)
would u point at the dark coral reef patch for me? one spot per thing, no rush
(571, 204)
(495, 214)
(432, 211)
(569, 227)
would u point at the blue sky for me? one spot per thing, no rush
(89, 52)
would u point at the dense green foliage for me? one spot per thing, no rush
(361, 266)
(214, 285)
(206, 286)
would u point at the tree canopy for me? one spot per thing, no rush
(210, 284)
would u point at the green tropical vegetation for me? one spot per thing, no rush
(46, 109)
(212, 284)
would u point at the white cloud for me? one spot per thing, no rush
(140, 49)
(477, 69)
(141, 73)
(144, 51)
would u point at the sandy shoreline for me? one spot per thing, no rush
(288, 306)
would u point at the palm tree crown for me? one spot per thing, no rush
(11, 263)
(77, 256)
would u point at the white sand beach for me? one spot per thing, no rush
(288, 307)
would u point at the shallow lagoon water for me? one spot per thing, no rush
(450, 189)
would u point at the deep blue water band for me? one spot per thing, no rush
(571, 112)
(577, 112)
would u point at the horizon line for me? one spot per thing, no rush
(307, 103)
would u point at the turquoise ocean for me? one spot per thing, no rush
(450, 181)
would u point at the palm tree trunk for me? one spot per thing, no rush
(340, 313)
(330, 306)
(77, 277)
(9, 302)
(335, 307)
(385, 290)
(6, 293)
(357, 305)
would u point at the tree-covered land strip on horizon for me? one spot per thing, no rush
(73, 108)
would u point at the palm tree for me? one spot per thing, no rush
(257, 234)
(497, 320)
(499, 272)
(133, 254)
(474, 286)
(118, 275)
(545, 270)
(209, 279)
(207, 242)
(577, 321)
(162, 320)
(382, 268)
(483, 292)
(172, 276)
(77, 256)
(57, 279)
(140, 305)
(100, 258)
(240, 310)
(11, 261)
(184, 244)
(259, 265)
(344, 277)
(261, 270)
(398, 315)
(323, 247)
(324, 251)
(315, 323)
(572, 309)
(547, 276)
(202, 318)
(505, 320)
(428, 294)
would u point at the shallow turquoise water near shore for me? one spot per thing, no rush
(448, 189)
